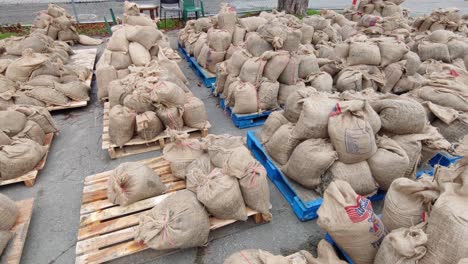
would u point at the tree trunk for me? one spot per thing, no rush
(295, 7)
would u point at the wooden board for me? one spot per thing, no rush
(14, 250)
(138, 145)
(30, 178)
(82, 57)
(106, 230)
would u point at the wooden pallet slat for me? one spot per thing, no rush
(29, 179)
(14, 250)
(138, 145)
(107, 230)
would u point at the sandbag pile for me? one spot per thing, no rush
(134, 43)
(325, 255)
(8, 216)
(56, 23)
(22, 132)
(385, 8)
(150, 99)
(366, 139)
(35, 71)
(442, 18)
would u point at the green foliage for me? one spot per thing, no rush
(168, 24)
(6, 35)
(311, 12)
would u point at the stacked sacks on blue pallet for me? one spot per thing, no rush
(150, 99)
(136, 42)
(23, 132)
(364, 138)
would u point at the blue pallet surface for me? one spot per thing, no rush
(200, 72)
(184, 52)
(304, 210)
(245, 121)
(443, 159)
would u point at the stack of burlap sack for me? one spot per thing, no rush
(325, 255)
(8, 216)
(34, 70)
(366, 139)
(22, 132)
(222, 180)
(136, 42)
(379, 8)
(150, 99)
(442, 18)
(56, 23)
(423, 221)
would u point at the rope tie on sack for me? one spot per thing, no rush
(256, 170)
(245, 257)
(165, 233)
(172, 120)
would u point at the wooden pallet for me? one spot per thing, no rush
(30, 178)
(138, 145)
(82, 57)
(106, 230)
(14, 250)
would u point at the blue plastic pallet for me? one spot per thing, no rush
(304, 210)
(245, 121)
(340, 252)
(183, 52)
(200, 72)
(443, 159)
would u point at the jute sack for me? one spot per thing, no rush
(171, 116)
(443, 97)
(221, 77)
(408, 83)
(178, 221)
(388, 163)
(23, 99)
(32, 131)
(358, 175)
(12, 122)
(213, 58)
(307, 66)
(286, 90)
(21, 69)
(391, 51)
(256, 45)
(318, 22)
(171, 66)
(307, 34)
(309, 161)
(20, 157)
(8, 212)
(412, 146)
(237, 160)
(197, 171)
(403, 245)
(351, 131)
(203, 24)
(168, 94)
(293, 106)
(252, 23)
(321, 81)
(147, 36)
(43, 80)
(140, 20)
(293, 40)
(401, 116)
(148, 125)
(5, 237)
(236, 61)
(268, 95)
(364, 53)
(246, 101)
(412, 62)
(4, 139)
(131, 9)
(197, 47)
(290, 74)
(252, 70)
(274, 121)
(139, 54)
(195, 113)
(407, 202)
(118, 41)
(454, 131)
(222, 196)
(121, 124)
(350, 79)
(219, 40)
(441, 36)
(181, 152)
(238, 36)
(275, 33)
(87, 41)
(201, 59)
(457, 48)
(68, 35)
(120, 60)
(139, 101)
(325, 254)
(221, 147)
(131, 182)
(50, 96)
(39, 115)
(255, 190)
(75, 90)
(227, 19)
(281, 144)
(436, 51)
(393, 73)
(104, 75)
(351, 222)
(276, 63)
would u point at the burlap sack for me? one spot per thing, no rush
(274, 121)
(104, 75)
(388, 163)
(181, 152)
(293, 40)
(219, 39)
(87, 41)
(412, 62)
(139, 54)
(203, 24)
(307, 66)
(194, 113)
(12, 122)
(227, 19)
(213, 58)
(407, 202)
(236, 61)
(8, 212)
(32, 131)
(77, 91)
(171, 116)
(322, 81)
(148, 125)
(4, 139)
(391, 51)
(5, 237)
(139, 20)
(43, 80)
(443, 97)
(21, 69)
(138, 101)
(358, 175)
(412, 146)
(351, 222)
(307, 34)
(281, 144)
(275, 33)
(364, 53)
(147, 36)
(121, 124)
(39, 115)
(171, 66)
(401, 116)
(454, 131)
(313, 120)
(268, 95)
(178, 221)
(197, 171)
(351, 132)
(131, 182)
(168, 94)
(256, 45)
(276, 63)
(436, 51)
(309, 161)
(252, 70)
(457, 48)
(350, 79)
(50, 96)
(235, 160)
(290, 74)
(393, 73)
(403, 245)
(286, 90)
(245, 98)
(118, 41)
(255, 191)
(20, 157)
(252, 23)
(120, 60)
(293, 106)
